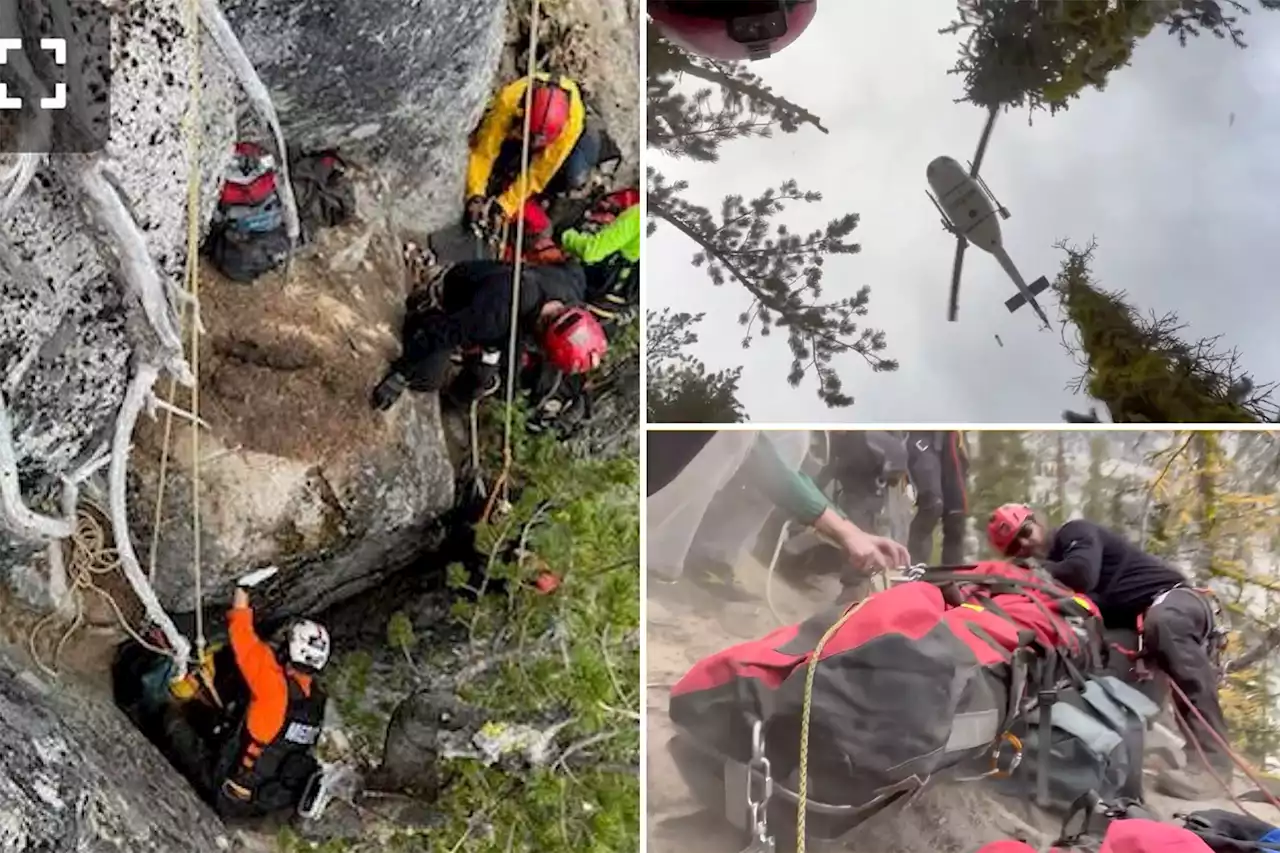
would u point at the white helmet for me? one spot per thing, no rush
(309, 644)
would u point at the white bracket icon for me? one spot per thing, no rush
(56, 46)
(59, 49)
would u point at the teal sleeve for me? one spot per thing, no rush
(791, 491)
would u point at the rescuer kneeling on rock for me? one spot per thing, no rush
(266, 765)
(1176, 622)
(565, 145)
(472, 312)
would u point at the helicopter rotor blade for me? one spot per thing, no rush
(953, 309)
(976, 163)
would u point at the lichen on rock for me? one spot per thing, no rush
(76, 775)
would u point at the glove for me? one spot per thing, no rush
(483, 213)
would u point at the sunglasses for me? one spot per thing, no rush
(1019, 541)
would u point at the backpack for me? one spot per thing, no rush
(322, 189)
(248, 236)
(1096, 734)
(919, 679)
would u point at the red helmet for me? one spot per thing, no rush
(575, 342)
(548, 113)
(732, 29)
(1006, 523)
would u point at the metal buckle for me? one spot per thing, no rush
(761, 840)
(997, 751)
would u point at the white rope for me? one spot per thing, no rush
(17, 179)
(138, 269)
(513, 341)
(193, 134)
(135, 398)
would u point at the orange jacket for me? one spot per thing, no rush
(265, 677)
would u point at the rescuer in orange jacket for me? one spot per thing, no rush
(564, 146)
(267, 765)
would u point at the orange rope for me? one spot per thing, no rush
(1231, 753)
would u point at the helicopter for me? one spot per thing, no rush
(969, 210)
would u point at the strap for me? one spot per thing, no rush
(1129, 697)
(1017, 687)
(1085, 805)
(1047, 697)
(964, 575)
(1097, 698)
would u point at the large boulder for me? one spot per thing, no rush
(398, 85)
(296, 468)
(76, 775)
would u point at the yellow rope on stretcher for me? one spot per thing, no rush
(802, 795)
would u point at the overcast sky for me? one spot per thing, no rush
(1185, 208)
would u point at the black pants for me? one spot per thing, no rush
(191, 754)
(939, 472)
(1175, 634)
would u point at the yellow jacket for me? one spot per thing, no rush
(543, 165)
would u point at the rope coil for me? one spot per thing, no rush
(91, 556)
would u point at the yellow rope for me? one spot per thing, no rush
(803, 793)
(91, 556)
(193, 134)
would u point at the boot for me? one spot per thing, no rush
(388, 391)
(1194, 782)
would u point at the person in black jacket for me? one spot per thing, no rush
(473, 312)
(1136, 590)
(939, 469)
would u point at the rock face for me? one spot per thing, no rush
(76, 775)
(67, 324)
(395, 84)
(296, 469)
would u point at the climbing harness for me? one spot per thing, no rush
(758, 795)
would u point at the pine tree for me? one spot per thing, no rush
(1096, 488)
(1142, 369)
(1043, 55)
(748, 244)
(679, 388)
(783, 273)
(736, 105)
(1000, 471)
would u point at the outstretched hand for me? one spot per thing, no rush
(240, 601)
(876, 553)
(867, 552)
